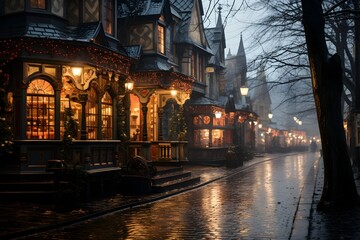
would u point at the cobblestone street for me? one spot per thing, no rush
(259, 202)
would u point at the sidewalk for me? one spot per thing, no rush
(344, 224)
(19, 219)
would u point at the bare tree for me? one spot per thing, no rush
(327, 74)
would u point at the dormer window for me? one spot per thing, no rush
(39, 4)
(161, 39)
(108, 17)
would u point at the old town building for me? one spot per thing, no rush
(58, 56)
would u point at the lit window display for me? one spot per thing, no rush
(40, 110)
(106, 116)
(92, 114)
(217, 137)
(201, 138)
(134, 118)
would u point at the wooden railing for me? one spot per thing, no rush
(159, 150)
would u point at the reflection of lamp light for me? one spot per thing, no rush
(260, 125)
(173, 91)
(270, 115)
(218, 114)
(76, 71)
(244, 91)
(129, 85)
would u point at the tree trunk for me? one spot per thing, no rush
(326, 74)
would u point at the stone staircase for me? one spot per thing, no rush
(27, 186)
(172, 177)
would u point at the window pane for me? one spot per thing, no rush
(108, 16)
(40, 110)
(201, 138)
(37, 4)
(92, 114)
(106, 116)
(161, 39)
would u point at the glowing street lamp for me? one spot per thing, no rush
(129, 85)
(244, 91)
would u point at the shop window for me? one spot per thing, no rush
(217, 137)
(40, 4)
(161, 39)
(92, 114)
(68, 100)
(201, 138)
(40, 110)
(135, 118)
(106, 116)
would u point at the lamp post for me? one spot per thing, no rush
(244, 90)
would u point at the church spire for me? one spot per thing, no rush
(229, 55)
(241, 50)
(219, 20)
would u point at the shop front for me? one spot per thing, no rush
(154, 115)
(63, 109)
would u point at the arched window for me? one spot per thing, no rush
(92, 114)
(106, 116)
(40, 110)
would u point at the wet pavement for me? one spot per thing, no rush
(336, 224)
(269, 197)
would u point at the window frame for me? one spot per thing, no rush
(161, 35)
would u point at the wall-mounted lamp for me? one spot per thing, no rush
(76, 71)
(217, 114)
(270, 115)
(173, 91)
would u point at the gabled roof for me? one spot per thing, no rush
(185, 8)
(140, 7)
(216, 39)
(89, 32)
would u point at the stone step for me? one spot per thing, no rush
(163, 178)
(176, 184)
(168, 170)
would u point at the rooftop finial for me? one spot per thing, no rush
(219, 8)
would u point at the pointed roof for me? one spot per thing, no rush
(229, 55)
(219, 20)
(260, 90)
(241, 49)
(216, 40)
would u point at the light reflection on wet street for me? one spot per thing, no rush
(256, 203)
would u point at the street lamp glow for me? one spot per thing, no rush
(270, 115)
(244, 91)
(173, 92)
(76, 71)
(129, 85)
